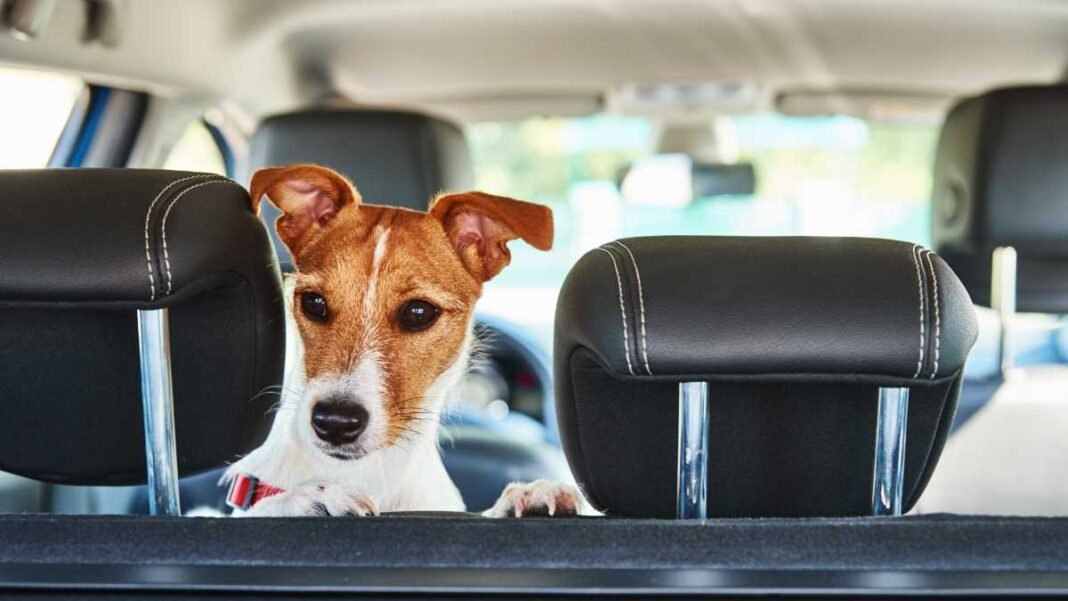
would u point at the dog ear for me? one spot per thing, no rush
(480, 225)
(309, 196)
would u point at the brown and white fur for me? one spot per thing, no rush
(359, 269)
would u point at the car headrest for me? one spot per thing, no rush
(795, 335)
(395, 158)
(1000, 181)
(82, 251)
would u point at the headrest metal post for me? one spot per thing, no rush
(693, 451)
(1003, 301)
(157, 396)
(889, 470)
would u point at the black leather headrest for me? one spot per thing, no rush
(795, 335)
(81, 251)
(395, 158)
(1000, 181)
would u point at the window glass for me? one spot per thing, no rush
(815, 176)
(34, 108)
(196, 150)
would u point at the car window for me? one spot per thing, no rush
(34, 108)
(834, 175)
(196, 150)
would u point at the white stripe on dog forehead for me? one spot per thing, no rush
(376, 268)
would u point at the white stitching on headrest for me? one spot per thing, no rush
(938, 319)
(148, 217)
(919, 287)
(641, 305)
(163, 224)
(622, 310)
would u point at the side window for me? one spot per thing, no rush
(196, 150)
(34, 109)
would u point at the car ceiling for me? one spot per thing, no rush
(493, 59)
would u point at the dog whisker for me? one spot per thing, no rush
(278, 389)
(278, 409)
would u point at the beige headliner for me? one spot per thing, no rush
(477, 59)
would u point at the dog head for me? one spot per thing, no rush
(383, 299)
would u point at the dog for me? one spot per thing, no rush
(382, 299)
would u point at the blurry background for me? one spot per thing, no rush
(835, 176)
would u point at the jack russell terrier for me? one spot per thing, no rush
(383, 300)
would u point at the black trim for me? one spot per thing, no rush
(436, 555)
(563, 581)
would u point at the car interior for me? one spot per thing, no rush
(801, 333)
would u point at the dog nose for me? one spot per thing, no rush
(339, 423)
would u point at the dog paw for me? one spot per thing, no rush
(538, 498)
(316, 498)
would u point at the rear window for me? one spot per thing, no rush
(196, 150)
(835, 175)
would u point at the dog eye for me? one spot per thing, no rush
(418, 315)
(314, 306)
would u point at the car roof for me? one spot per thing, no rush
(482, 59)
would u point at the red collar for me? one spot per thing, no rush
(246, 491)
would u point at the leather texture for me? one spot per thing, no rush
(131, 237)
(82, 250)
(395, 158)
(715, 307)
(796, 335)
(999, 181)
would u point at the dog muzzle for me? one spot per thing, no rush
(246, 491)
